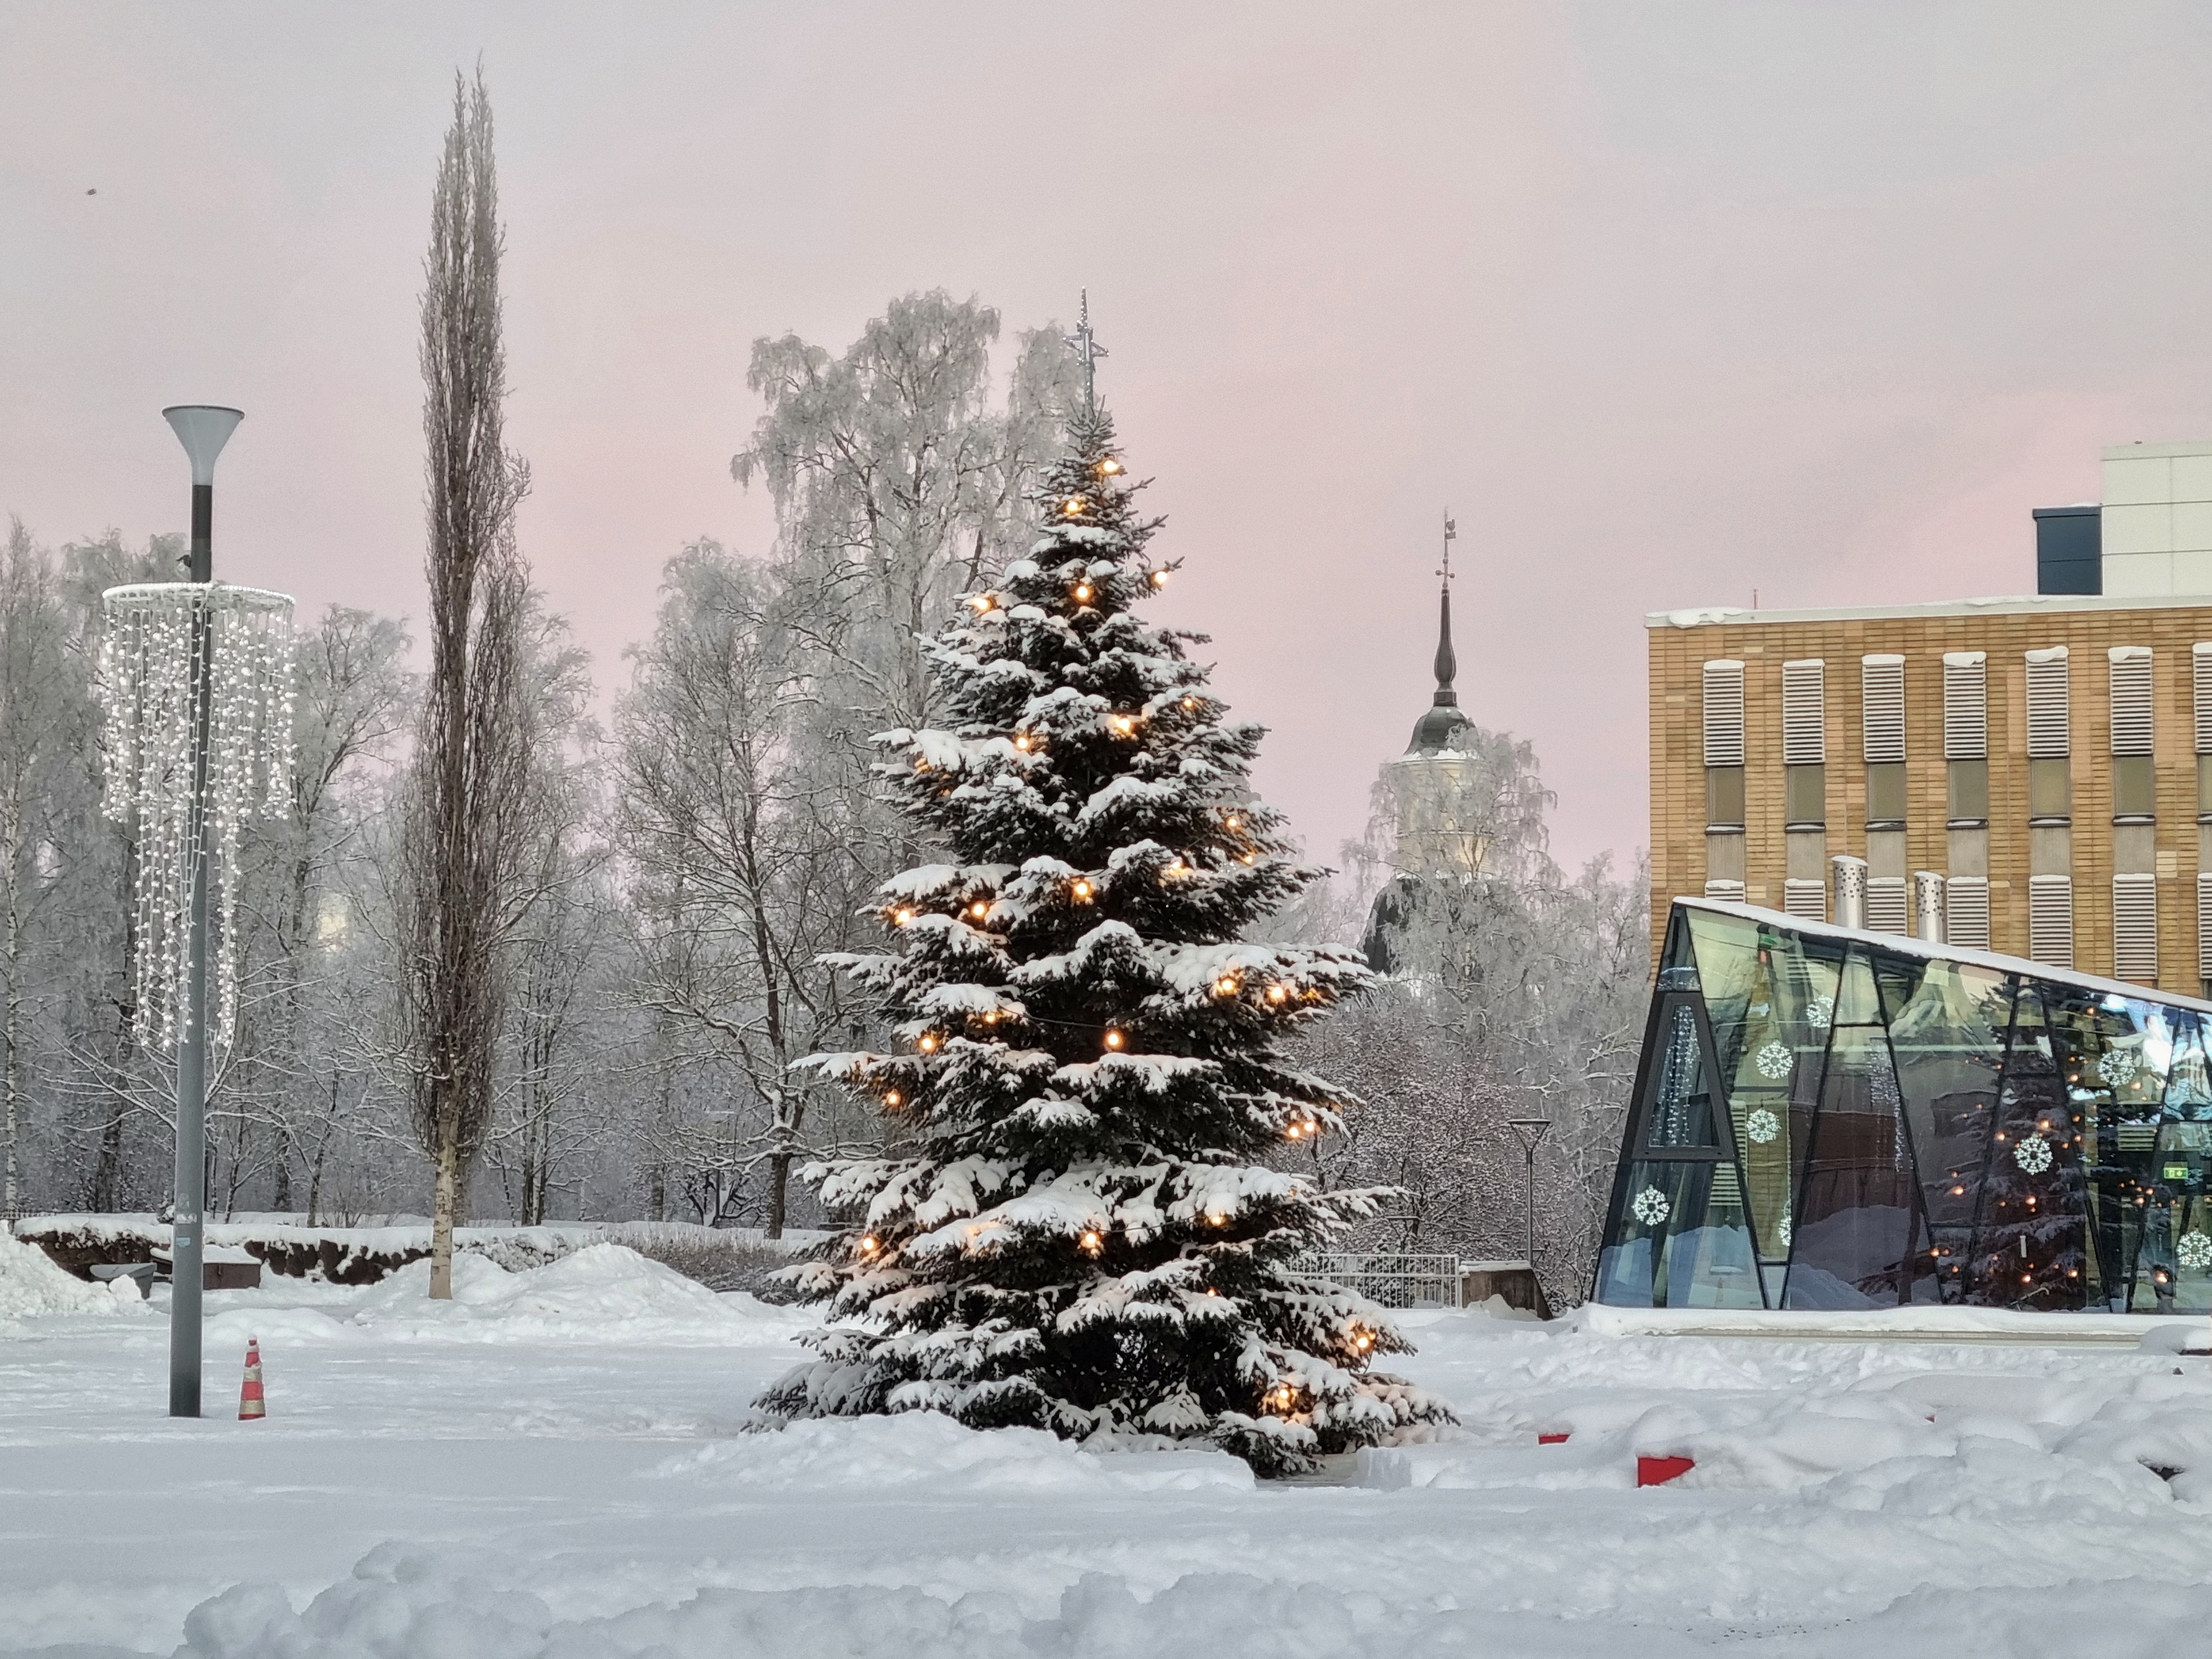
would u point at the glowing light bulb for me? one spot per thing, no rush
(1092, 1243)
(868, 1246)
(1125, 724)
(1233, 821)
(979, 909)
(1075, 505)
(1159, 579)
(1115, 1041)
(1247, 859)
(1082, 890)
(1190, 702)
(1277, 994)
(1022, 743)
(1177, 868)
(1109, 466)
(1083, 593)
(891, 1097)
(1225, 986)
(902, 917)
(928, 1044)
(982, 602)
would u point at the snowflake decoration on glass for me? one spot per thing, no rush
(149, 656)
(1782, 1234)
(1651, 1206)
(2194, 1251)
(1762, 1125)
(1820, 1012)
(1773, 1062)
(2118, 1067)
(2032, 1154)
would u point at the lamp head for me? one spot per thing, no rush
(204, 430)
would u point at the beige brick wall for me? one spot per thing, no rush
(1678, 792)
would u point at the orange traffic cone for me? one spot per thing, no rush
(249, 1402)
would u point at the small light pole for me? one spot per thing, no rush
(202, 430)
(1528, 1131)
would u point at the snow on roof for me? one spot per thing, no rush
(2000, 605)
(1903, 945)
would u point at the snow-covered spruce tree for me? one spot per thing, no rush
(1075, 1226)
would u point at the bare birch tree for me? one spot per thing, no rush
(41, 720)
(751, 844)
(461, 841)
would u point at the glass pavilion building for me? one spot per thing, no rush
(1825, 1118)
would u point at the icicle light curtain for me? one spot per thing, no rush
(147, 684)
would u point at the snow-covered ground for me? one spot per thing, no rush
(549, 1467)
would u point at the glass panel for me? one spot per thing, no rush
(1678, 968)
(1857, 1216)
(1856, 1001)
(1679, 1240)
(1679, 1112)
(2174, 1265)
(1947, 1029)
(2031, 1245)
(2188, 1082)
(1760, 1051)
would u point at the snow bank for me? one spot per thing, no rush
(1934, 1444)
(33, 1287)
(409, 1603)
(928, 1452)
(603, 1293)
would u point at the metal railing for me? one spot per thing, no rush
(1392, 1280)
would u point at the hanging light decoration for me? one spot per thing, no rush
(149, 676)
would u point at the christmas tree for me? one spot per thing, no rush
(1075, 1224)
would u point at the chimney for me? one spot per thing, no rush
(1928, 906)
(1847, 900)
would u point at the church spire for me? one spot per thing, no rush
(1447, 663)
(1442, 723)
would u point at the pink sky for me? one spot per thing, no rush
(1666, 301)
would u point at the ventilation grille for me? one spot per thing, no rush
(2131, 716)
(2200, 658)
(2132, 1138)
(2048, 714)
(1732, 891)
(2204, 925)
(1965, 706)
(1966, 912)
(1881, 707)
(2051, 921)
(2134, 927)
(1806, 899)
(1804, 717)
(1723, 712)
(1886, 908)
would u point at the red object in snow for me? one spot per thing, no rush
(249, 1402)
(1658, 1471)
(1551, 1440)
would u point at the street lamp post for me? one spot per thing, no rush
(1528, 1131)
(202, 430)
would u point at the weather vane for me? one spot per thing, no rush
(1451, 534)
(1085, 345)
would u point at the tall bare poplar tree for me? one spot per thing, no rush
(461, 842)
